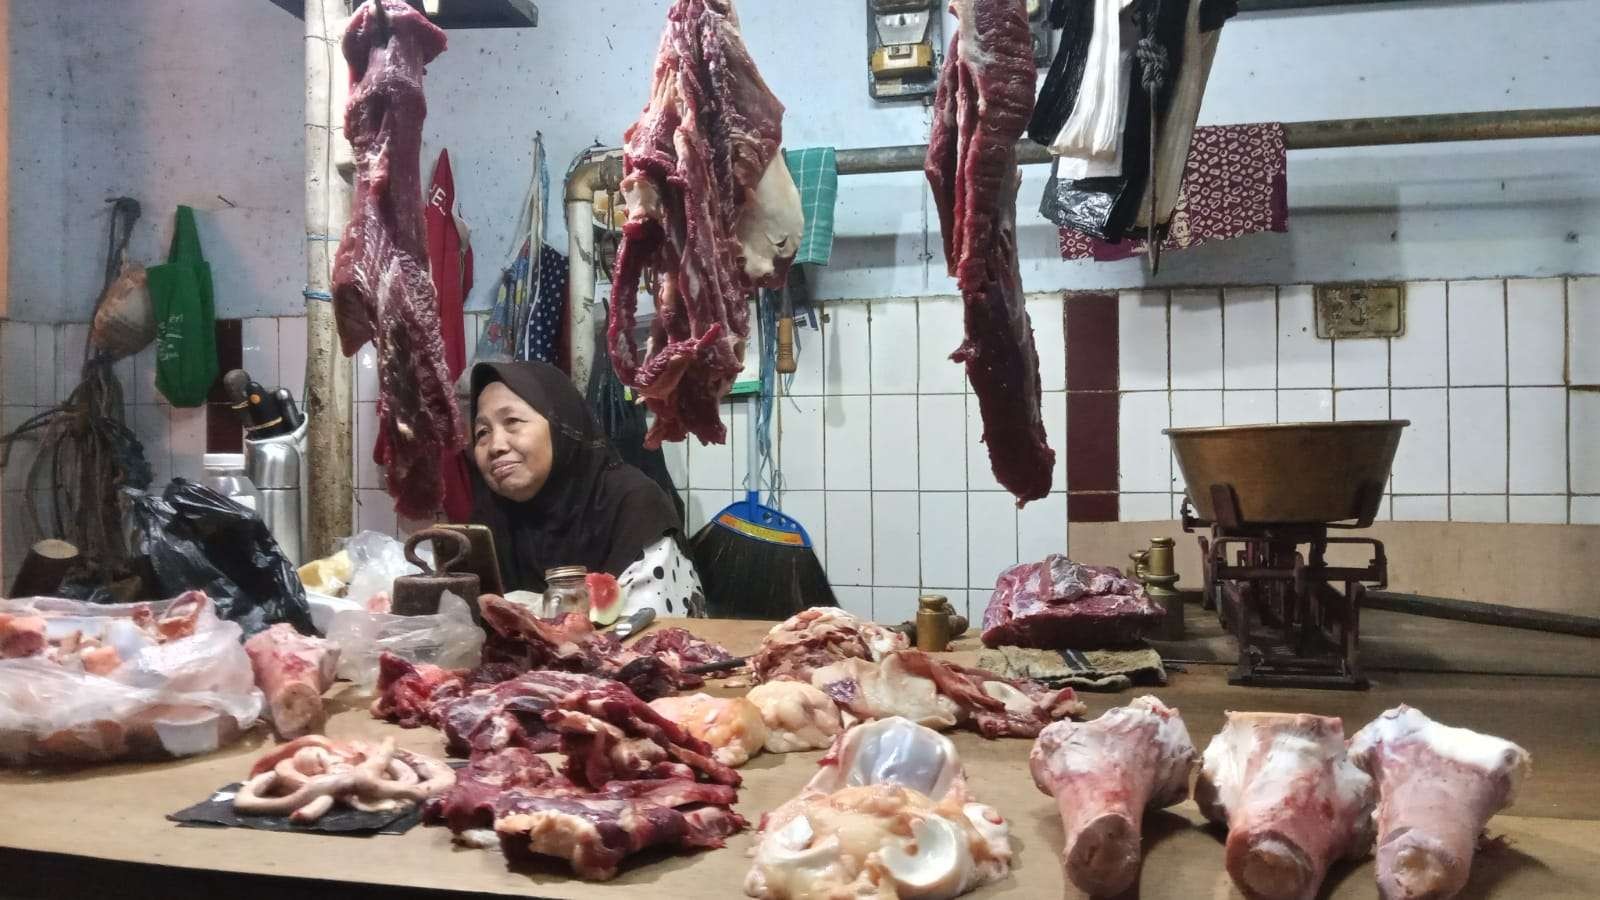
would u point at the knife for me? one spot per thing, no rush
(634, 624)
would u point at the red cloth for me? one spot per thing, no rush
(1234, 184)
(450, 268)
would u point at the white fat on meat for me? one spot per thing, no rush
(888, 814)
(1104, 774)
(797, 715)
(866, 690)
(770, 226)
(1290, 797)
(1438, 786)
(733, 726)
(293, 671)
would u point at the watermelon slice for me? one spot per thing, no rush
(605, 598)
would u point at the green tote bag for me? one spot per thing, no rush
(186, 339)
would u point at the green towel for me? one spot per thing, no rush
(816, 174)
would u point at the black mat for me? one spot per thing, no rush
(217, 811)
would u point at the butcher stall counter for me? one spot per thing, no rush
(101, 832)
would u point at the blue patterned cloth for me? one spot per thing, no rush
(542, 339)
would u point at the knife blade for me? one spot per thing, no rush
(634, 624)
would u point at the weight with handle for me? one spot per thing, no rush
(418, 595)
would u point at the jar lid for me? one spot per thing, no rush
(560, 572)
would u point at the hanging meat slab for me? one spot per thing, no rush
(712, 215)
(983, 102)
(381, 288)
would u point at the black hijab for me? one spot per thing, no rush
(593, 511)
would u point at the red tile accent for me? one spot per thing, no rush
(1091, 441)
(1092, 507)
(230, 355)
(1091, 334)
(224, 434)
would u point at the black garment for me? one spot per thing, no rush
(593, 511)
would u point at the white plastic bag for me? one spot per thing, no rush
(180, 697)
(449, 639)
(376, 560)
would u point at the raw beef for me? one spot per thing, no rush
(820, 636)
(888, 814)
(293, 670)
(534, 811)
(1058, 604)
(595, 830)
(570, 643)
(731, 725)
(608, 734)
(1292, 801)
(493, 716)
(798, 716)
(712, 215)
(406, 689)
(937, 694)
(381, 288)
(1437, 787)
(1104, 774)
(984, 98)
(680, 648)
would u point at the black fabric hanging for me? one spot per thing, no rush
(625, 425)
(1059, 94)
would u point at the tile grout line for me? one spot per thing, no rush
(1449, 480)
(1505, 315)
(1566, 377)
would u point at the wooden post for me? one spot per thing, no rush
(328, 400)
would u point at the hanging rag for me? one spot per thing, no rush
(503, 336)
(450, 265)
(1082, 670)
(543, 334)
(186, 338)
(1235, 183)
(816, 175)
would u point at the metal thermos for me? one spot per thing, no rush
(277, 467)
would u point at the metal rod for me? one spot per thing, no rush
(1314, 135)
(1484, 613)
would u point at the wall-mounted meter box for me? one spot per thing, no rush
(903, 38)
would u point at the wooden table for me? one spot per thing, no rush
(101, 832)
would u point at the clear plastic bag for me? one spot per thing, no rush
(178, 697)
(376, 560)
(449, 639)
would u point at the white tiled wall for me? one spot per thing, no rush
(878, 444)
(1500, 379)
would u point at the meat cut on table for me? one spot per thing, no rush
(817, 637)
(1291, 799)
(797, 715)
(733, 726)
(712, 214)
(1437, 788)
(570, 643)
(1058, 604)
(293, 670)
(382, 291)
(984, 98)
(1104, 774)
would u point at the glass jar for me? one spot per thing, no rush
(566, 591)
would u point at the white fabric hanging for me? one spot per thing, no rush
(1090, 141)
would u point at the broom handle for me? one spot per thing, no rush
(752, 493)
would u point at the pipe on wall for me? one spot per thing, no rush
(594, 170)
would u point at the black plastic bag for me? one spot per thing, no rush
(197, 539)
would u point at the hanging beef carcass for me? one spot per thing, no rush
(381, 288)
(985, 95)
(712, 215)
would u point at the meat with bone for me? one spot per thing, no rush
(469, 804)
(680, 648)
(712, 215)
(595, 830)
(405, 690)
(292, 670)
(817, 637)
(1057, 603)
(733, 726)
(608, 734)
(570, 643)
(381, 288)
(1292, 801)
(304, 778)
(797, 715)
(1104, 774)
(488, 717)
(1437, 788)
(888, 814)
(21, 635)
(984, 98)
(938, 694)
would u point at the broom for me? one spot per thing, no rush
(754, 561)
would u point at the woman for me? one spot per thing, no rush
(554, 493)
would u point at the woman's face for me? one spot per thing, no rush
(510, 444)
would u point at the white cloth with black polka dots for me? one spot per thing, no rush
(663, 579)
